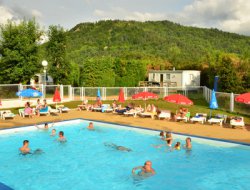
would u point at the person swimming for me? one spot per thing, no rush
(46, 126)
(121, 148)
(177, 146)
(169, 139)
(145, 170)
(25, 148)
(53, 133)
(188, 144)
(61, 137)
(91, 126)
(162, 135)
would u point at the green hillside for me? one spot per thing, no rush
(118, 53)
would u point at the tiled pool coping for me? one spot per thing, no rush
(4, 187)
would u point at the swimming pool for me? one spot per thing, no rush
(84, 162)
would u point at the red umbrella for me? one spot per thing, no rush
(121, 98)
(243, 98)
(178, 99)
(145, 95)
(57, 97)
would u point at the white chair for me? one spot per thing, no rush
(185, 118)
(6, 114)
(106, 108)
(23, 114)
(133, 112)
(199, 117)
(218, 120)
(62, 108)
(51, 110)
(239, 121)
(165, 114)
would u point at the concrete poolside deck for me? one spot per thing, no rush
(214, 131)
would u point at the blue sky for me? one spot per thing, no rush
(227, 15)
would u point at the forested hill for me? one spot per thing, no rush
(124, 48)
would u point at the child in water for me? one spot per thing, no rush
(177, 146)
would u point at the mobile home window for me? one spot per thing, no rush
(191, 76)
(168, 76)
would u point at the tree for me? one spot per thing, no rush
(59, 66)
(19, 50)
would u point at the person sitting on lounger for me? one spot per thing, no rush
(149, 108)
(114, 105)
(61, 137)
(25, 148)
(145, 170)
(181, 113)
(45, 105)
(38, 107)
(84, 105)
(28, 110)
(91, 126)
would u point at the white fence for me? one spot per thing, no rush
(68, 93)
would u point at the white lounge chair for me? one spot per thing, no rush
(165, 114)
(6, 114)
(133, 112)
(218, 120)
(62, 108)
(44, 111)
(185, 118)
(97, 109)
(23, 114)
(239, 121)
(148, 114)
(51, 110)
(199, 117)
(106, 108)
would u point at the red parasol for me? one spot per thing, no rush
(121, 98)
(243, 98)
(57, 97)
(178, 99)
(145, 95)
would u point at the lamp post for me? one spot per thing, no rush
(44, 64)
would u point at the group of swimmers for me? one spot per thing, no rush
(169, 140)
(25, 148)
(145, 170)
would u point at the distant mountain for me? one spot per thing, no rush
(155, 44)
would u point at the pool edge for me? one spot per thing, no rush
(139, 127)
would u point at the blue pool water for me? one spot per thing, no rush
(85, 163)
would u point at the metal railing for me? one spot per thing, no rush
(226, 101)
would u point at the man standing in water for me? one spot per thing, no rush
(25, 148)
(146, 170)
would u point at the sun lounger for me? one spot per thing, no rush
(6, 114)
(148, 114)
(51, 110)
(62, 108)
(199, 117)
(133, 112)
(239, 121)
(44, 111)
(22, 113)
(106, 108)
(97, 109)
(165, 114)
(185, 118)
(219, 119)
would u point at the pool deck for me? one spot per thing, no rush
(211, 131)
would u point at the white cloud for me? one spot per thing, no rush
(123, 14)
(36, 13)
(229, 15)
(5, 14)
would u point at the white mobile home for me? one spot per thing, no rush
(180, 78)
